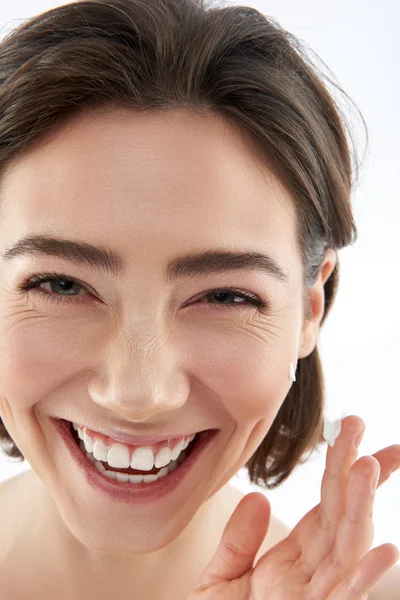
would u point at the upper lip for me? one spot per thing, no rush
(139, 440)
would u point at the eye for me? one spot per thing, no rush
(60, 282)
(56, 280)
(247, 299)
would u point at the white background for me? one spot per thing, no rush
(359, 342)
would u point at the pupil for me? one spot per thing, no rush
(69, 284)
(219, 294)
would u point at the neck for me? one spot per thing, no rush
(81, 572)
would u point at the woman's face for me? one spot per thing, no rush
(137, 351)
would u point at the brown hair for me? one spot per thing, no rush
(231, 61)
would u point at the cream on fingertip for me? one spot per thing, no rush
(332, 431)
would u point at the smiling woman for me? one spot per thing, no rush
(175, 182)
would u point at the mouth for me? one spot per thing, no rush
(133, 486)
(104, 466)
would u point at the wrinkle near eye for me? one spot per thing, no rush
(268, 335)
(20, 312)
(268, 328)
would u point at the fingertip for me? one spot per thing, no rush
(394, 550)
(355, 423)
(258, 497)
(389, 552)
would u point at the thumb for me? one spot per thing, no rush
(240, 541)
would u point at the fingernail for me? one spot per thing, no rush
(332, 431)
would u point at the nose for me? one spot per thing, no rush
(142, 389)
(141, 398)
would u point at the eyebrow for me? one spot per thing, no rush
(109, 261)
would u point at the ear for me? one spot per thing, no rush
(315, 296)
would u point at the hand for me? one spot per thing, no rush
(327, 555)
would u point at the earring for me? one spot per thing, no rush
(292, 373)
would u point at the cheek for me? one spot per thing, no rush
(39, 361)
(247, 370)
(251, 391)
(36, 358)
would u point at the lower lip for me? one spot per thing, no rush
(138, 493)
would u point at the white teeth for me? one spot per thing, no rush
(126, 477)
(162, 472)
(118, 456)
(122, 476)
(177, 450)
(149, 478)
(189, 440)
(163, 458)
(142, 459)
(88, 442)
(186, 443)
(135, 478)
(100, 450)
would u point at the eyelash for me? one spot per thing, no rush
(33, 282)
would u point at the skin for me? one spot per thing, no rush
(126, 181)
(327, 555)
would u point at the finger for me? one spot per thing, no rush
(240, 542)
(339, 459)
(317, 539)
(321, 523)
(389, 460)
(369, 571)
(355, 531)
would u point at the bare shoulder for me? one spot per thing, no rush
(10, 488)
(12, 492)
(388, 588)
(8, 491)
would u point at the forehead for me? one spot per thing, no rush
(176, 176)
